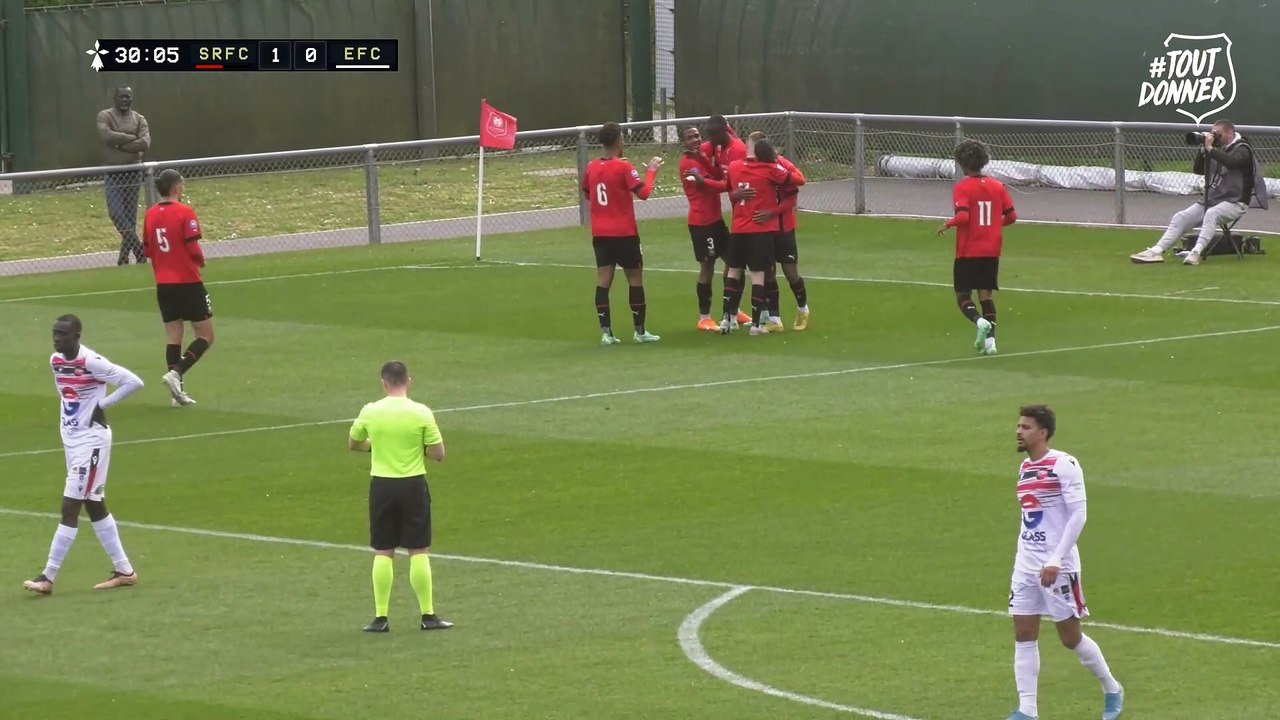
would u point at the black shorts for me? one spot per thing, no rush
(399, 513)
(188, 302)
(753, 251)
(976, 273)
(784, 248)
(624, 252)
(709, 241)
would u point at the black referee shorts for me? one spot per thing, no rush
(399, 513)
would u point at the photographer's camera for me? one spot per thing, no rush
(1197, 138)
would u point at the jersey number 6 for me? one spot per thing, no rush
(601, 196)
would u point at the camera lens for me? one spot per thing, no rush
(1193, 138)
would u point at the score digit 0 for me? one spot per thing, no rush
(310, 54)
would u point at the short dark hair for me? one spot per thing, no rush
(765, 152)
(72, 319)
(610, 134)
(687, 128)
(717, 122)
(395, 374)
(167, 180)
(972, 155)
(1042, 414)
(121, 88)
(1225, 123)
(757, 136)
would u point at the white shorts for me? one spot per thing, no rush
(87, 466)
(1063, 600)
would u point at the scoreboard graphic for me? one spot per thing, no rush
(243, 55)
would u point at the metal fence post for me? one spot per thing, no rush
(859, 167)
(149, 184)
(789, 137)
(1120, 174)
(662, 100)
(584, 211)
(959, 139)
(371, 203)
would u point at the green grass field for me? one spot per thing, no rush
(858, 477)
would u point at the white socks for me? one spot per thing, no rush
(1026, 673)
(62, 539)
(109, 536)
(1091, 657)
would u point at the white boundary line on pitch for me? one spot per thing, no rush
(444, 265)
(465, 265)
(852, 597)
(695, 386)
(691, 644)
(928, 283)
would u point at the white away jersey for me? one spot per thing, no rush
(82, 382)
(1045, 487)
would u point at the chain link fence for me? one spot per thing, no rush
(1076, 172)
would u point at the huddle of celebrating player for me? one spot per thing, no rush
(763, 188)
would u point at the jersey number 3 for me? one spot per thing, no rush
(162, 242)
(984, 213)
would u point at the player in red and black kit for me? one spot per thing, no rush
(707, 230)
(609, 183)
(171, 239)
(787, 253)
(756, 183)
(722, 147)
(983, 208)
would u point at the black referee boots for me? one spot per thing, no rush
(429, 622)
(435, 622)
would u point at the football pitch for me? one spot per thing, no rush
(817, 524)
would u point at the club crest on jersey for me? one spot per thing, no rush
(193, 224)
(1032, 515)
(635, 173)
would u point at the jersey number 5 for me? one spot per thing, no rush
(602, 197)
(162, 242)
(984, 213)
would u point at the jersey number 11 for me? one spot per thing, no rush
(984, 213)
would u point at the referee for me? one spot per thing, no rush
(397, 431)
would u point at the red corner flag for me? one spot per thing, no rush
(497, 129)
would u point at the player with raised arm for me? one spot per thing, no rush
(171, 238)
(787, 253)
(610, 184)
(81, 376)
(707, 230)
(722, 148)
(982, 208)
(755, 183)
(1046, 570)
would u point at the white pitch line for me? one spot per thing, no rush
(524, 565)
(241, 281)
(927, 283)
(1196, 290)
(445, 265)
(691, 644)
(693, 386)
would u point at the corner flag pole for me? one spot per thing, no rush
(479, 202)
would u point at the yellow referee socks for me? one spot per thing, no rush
(420, 579)
(383, 573)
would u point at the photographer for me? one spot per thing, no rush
(1228, 166)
